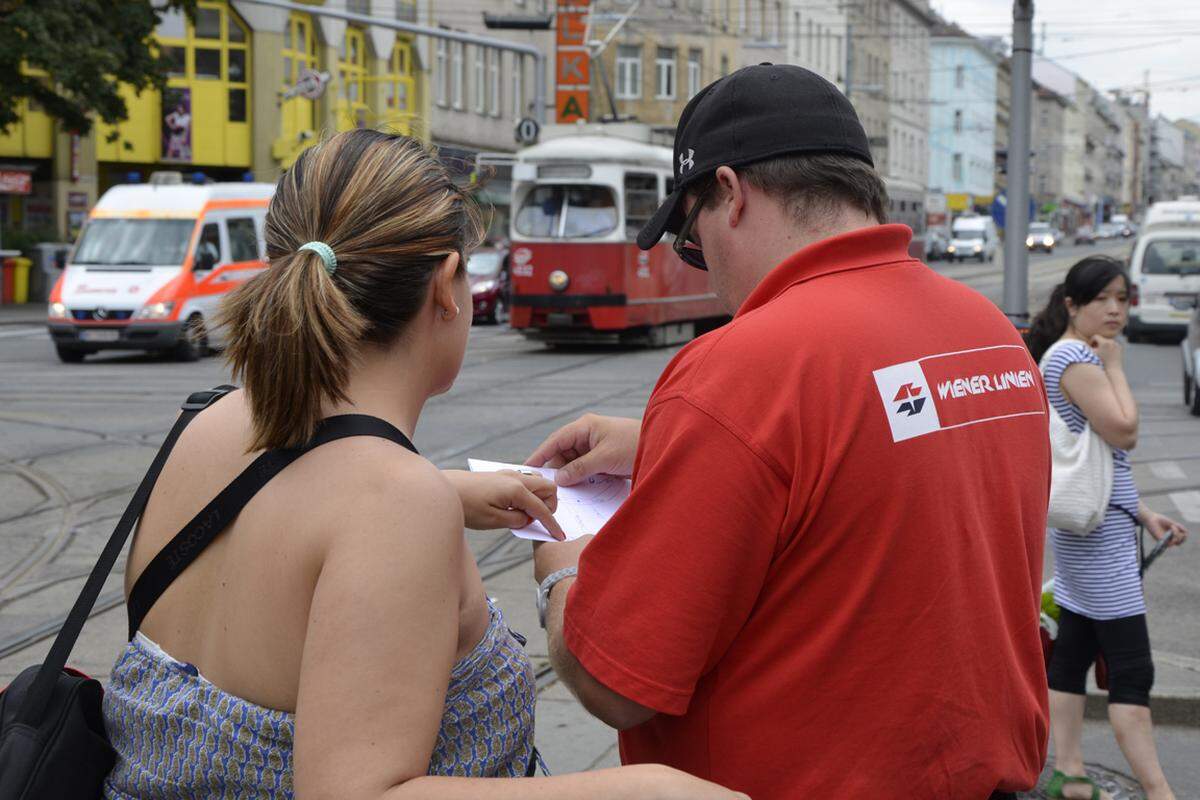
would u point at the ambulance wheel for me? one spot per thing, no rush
(69, 355)
(193, 341)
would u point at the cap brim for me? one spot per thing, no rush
(667, 218)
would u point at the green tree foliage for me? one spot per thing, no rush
(87, 48)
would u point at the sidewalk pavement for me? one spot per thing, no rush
(28, 314)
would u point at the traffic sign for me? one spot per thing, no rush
(527, 131)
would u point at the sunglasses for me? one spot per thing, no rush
(687, 250)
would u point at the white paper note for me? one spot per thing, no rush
(582, 509)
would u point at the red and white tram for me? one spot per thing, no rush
(577, 274)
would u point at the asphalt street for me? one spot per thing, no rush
(75, 439)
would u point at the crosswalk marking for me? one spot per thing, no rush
(1188, 504)
(20, 332)
(1167, 470)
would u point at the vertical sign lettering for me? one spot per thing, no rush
(572, 73)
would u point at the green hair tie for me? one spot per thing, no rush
(325, 252)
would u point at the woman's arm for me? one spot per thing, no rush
(505, 499)
(381, 641)
(1103, 395)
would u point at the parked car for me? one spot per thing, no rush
(1191, 374)
(936, 243)
(1085, 235)
(1041, 237)
(1164, 270)
(487, 269)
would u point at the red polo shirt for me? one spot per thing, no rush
(827, 578)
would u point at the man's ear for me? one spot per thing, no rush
(733, 194)
(443, 286)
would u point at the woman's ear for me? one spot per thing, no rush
(443, 287)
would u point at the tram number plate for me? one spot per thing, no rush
(559, 320)
(99, 336)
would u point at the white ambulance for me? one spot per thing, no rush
(152, 264)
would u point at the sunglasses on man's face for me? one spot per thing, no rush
(689, 251)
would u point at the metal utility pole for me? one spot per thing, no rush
(1016, 256)
(539, 57)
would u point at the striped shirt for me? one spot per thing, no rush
(1095, 575)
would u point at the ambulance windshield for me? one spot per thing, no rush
(134, 243)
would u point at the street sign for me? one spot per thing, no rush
(573, 66)
(310, 85)
(1000, 209)
(527, 131)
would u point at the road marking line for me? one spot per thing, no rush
(1167, 470)
(1188, 504)
(20, 332)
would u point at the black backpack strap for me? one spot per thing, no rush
(43, 685)
(214, 518)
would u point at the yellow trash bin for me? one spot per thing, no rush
(21, 279)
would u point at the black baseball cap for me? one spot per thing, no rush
(755, 113)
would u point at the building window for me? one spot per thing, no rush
(494, 82)
(724, 64)
(443, 74)
(762, 19)
(958, 167)
(743, 14)
(400, 84)
(456, 74)
(478, 79)
(664, 67)
(958, 121)
(694, 72)
(518, 86)
(629, 72)
(959, 77)
(777, 36)
(352, 73)
(215, 48)
(796, 35)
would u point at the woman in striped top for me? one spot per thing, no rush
(1097, 577)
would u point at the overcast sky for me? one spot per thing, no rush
(1109, 43)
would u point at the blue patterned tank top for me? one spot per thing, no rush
(178, 736)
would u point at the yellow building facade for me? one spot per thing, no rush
(249, 88)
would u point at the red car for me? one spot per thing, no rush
(487, 269)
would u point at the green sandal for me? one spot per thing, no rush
(1060, 779)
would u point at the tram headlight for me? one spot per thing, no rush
(559, 280)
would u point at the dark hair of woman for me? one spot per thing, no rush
(1084, 281)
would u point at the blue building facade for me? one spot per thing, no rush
(962, 119)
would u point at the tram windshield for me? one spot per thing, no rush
(568, 211)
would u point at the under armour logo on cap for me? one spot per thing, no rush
(686, 163)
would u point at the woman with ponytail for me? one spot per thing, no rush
(1097, 577)
(334, 640)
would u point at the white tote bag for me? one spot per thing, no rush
(1082, 477)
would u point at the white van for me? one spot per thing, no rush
(973, 237)
(1164, 269)
(151, 265)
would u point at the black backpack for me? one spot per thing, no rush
(52, 738)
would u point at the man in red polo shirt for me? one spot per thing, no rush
(826, 580)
